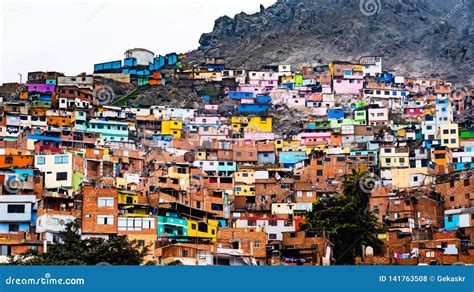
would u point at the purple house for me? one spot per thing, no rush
(41, 88)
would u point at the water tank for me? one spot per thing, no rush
(143, 56)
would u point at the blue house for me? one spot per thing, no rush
(130, 62)
(335, 114)
(163, 141)
(290, 158)
(253, 108)
(171, 58)
(240, 95)
(226, 166)
(266, 157)
(158, 63)
(385, 77)
(263, 99)
(108, 67)
(17, 213)
(215, 67)
(290, 86)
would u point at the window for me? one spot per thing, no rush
(451, 198)
(251, 222)
(309, 194)
(466, 182)
(105, 202)
(13, 227)
(319, 172)
(105, 219)
(272, 223)
(185, 253)
(388, 160)
(402, 160)
(193, 226)
(299, 194)
(61, 159)
(40, 160)
(61, 176)
(256, 244)
(450, 218)
(272, 236)
(445, 131)
(9, 160)
(16, 209)
(238, 154)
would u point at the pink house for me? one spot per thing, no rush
(319, 111)
(255, 89)
(413, 112)
(211, 107)
(378, 116)
(207, 120)
(347, 86)
(315, 137)
(259, 136)
(41, 88)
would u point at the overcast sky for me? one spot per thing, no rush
(71, 36)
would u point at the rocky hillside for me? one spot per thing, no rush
(419, 37)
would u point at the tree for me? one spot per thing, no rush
(359, 184)
(117, 250)
(348, 226)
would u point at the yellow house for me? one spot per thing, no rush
(245, 190)
(260, 124)
(322, 147)
(200, 155)
(403, 178)
(180, 173)
(448, 134)
(203, 229)
(245, 176)
(293, 145)
(239, 122)
(172, 128)
(392, 157)
(208, 75)
(127, 197)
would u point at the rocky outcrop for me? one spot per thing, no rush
(417, 37)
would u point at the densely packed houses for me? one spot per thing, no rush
(204, 186)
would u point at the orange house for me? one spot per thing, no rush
(38, 112)
(336, 140)
(59, 121)
(9, 161)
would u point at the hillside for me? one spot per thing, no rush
(417, 37)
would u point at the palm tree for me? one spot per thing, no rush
(359, 184)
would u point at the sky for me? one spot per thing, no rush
(71, 36)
